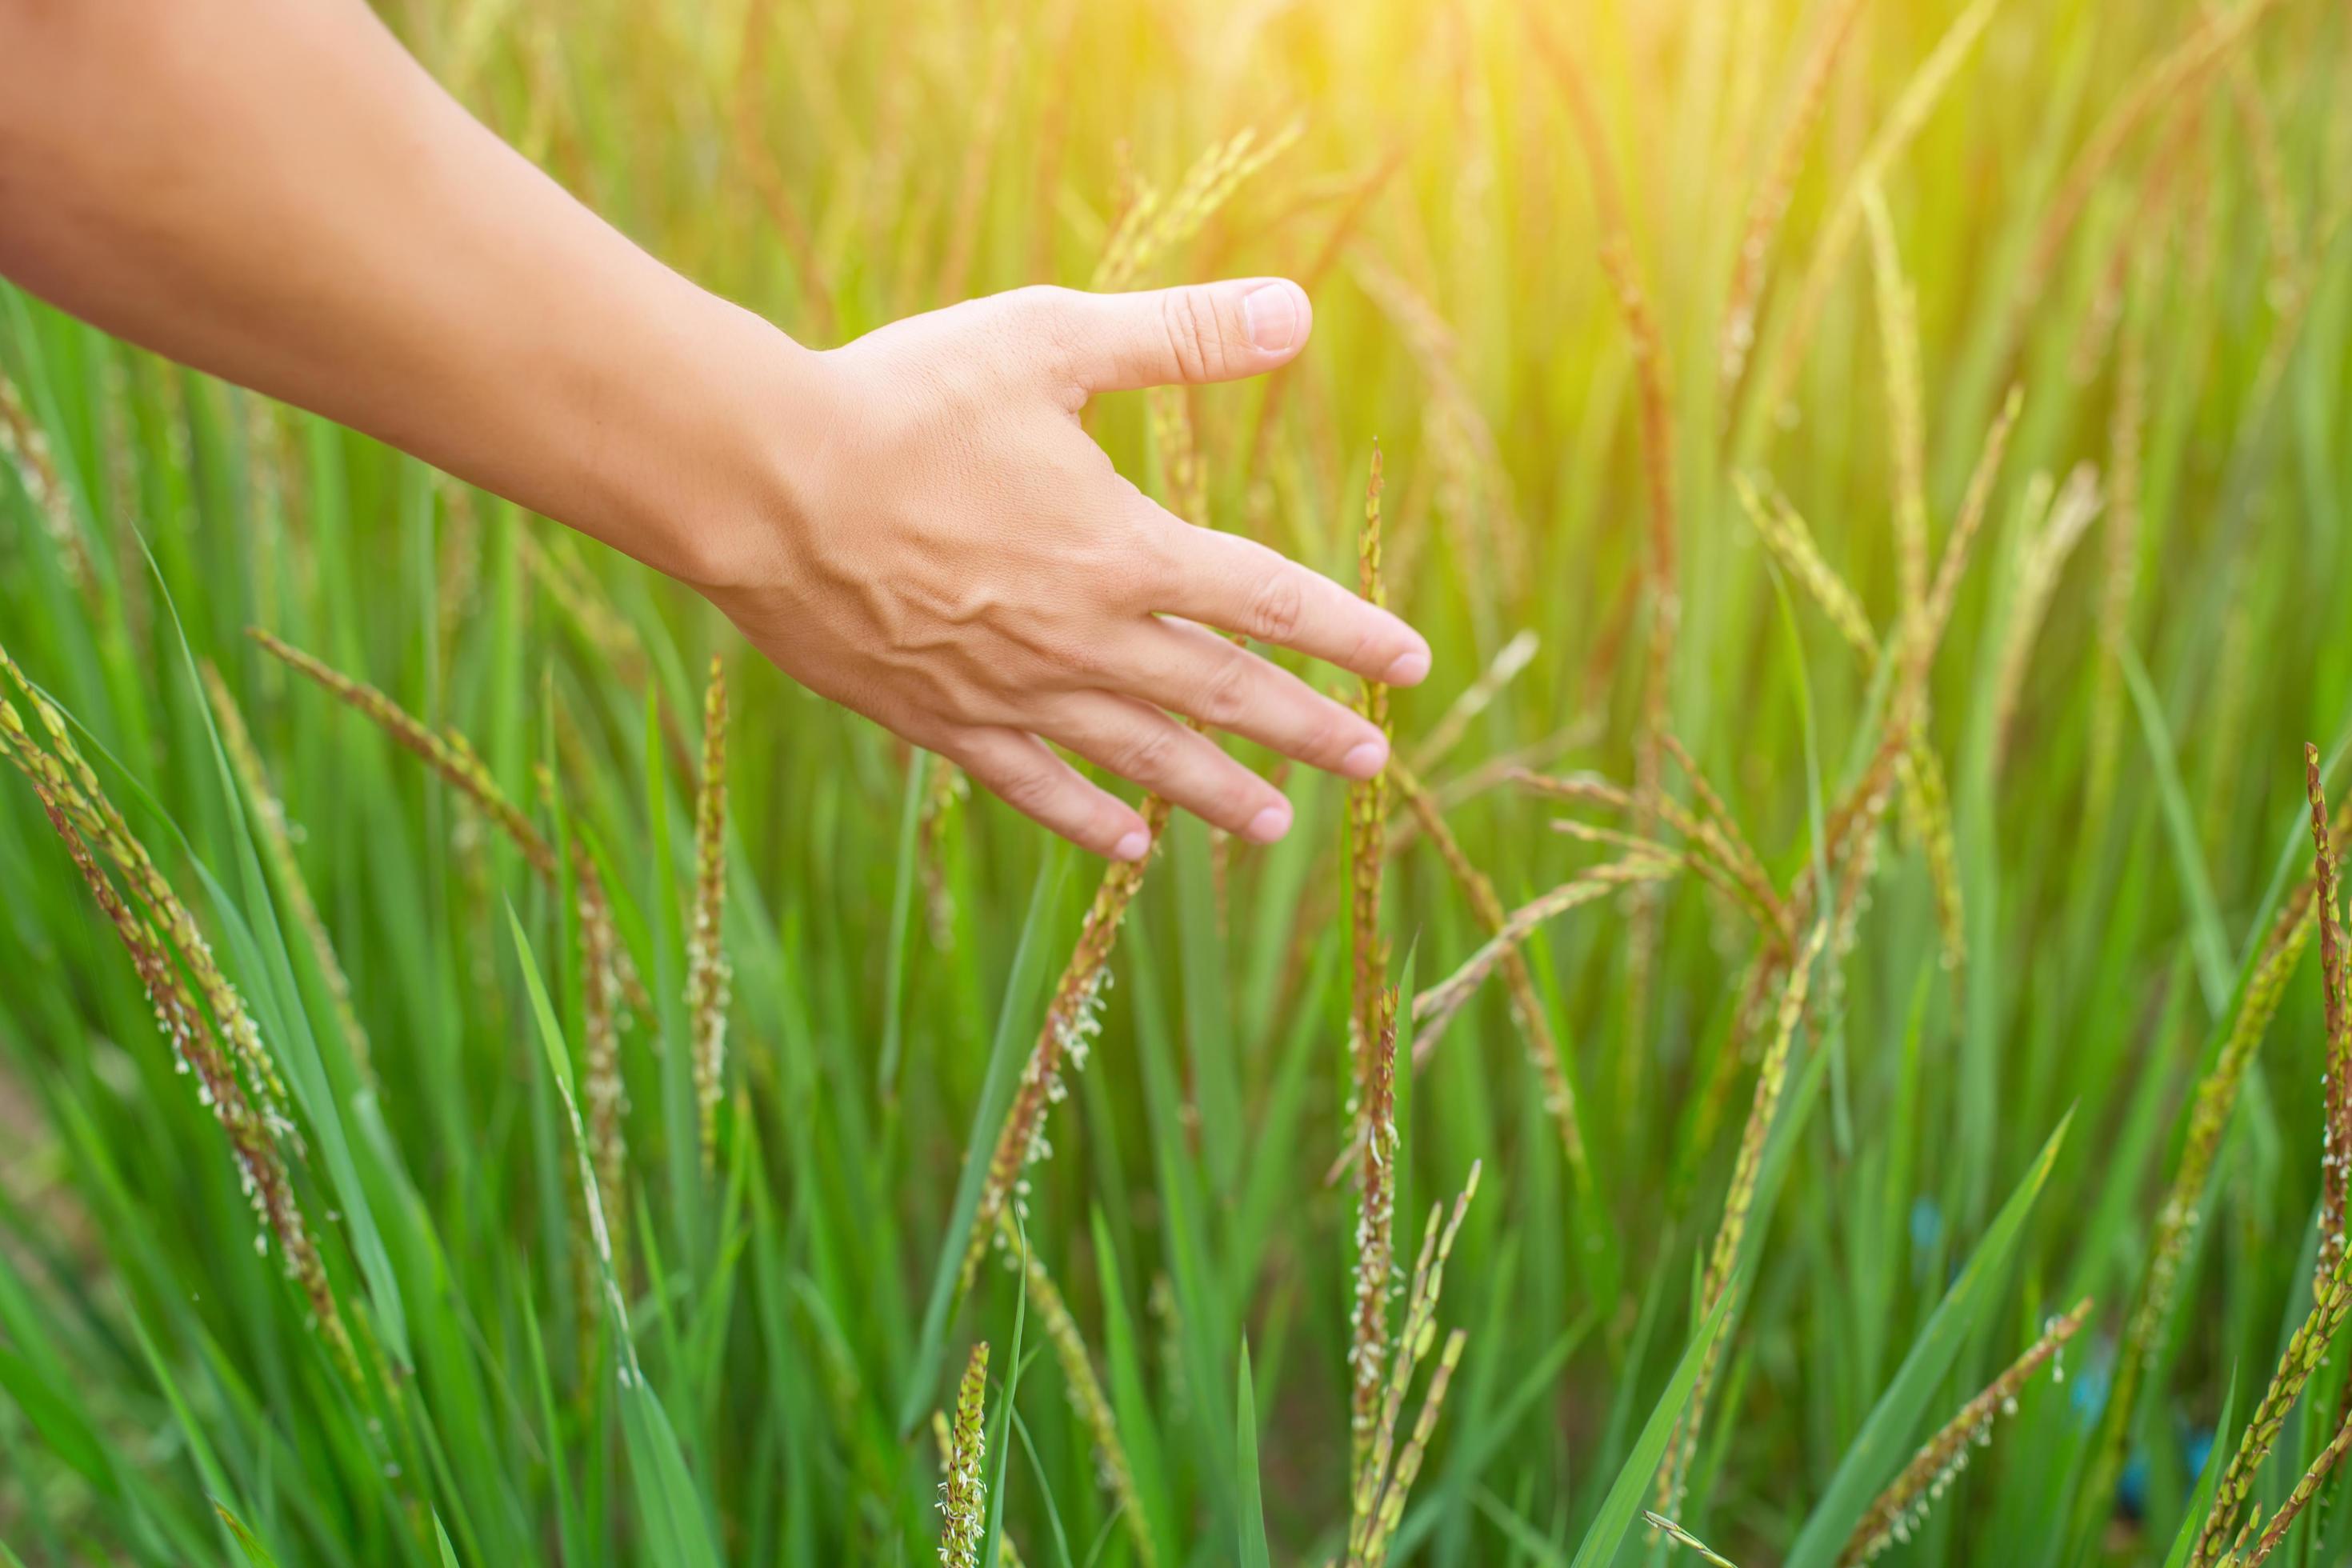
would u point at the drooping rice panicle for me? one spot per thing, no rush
(1623, 268)
(1898, 332)
(1434, 1007)
(1720, 834)
(1770, 203)
(708, 974)
(1071, 1023)
(1890, 1520)
(1545, 1054)
(2335, 963)
(24, 448)
(1686, 1539)
(104, 829)
(2042, 557)
(1722, 1257)
(1716, 852)
(1784, 533)
(1975, 507)
(1505, 667)
(963, 1493)
(256, 1143)
(1371, 1281)
(1383, 1475)
(277, 843)
(1153, 225)
(2304, 1352)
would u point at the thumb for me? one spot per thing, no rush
(1200, 332)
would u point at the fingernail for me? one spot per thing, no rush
(1272, 315)
(1268, 824)
(1134, 846)
(1365, 761)
(1409, 668)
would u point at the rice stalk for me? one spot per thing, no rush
(1918, 99)
(963, 1493)
(2304, 1355)
(1731, 1232)
(2335, 966)
(1371, 1281)
(1975, 507)
(2121, 535)
(1384, 1474)
(1686, 1539)
(709, 977)
(946, 787)
(1442, 736)
(1770, 203)
(1898, 332)
(1153, 225)
(103, 828)
(1072, 1021)
(1622, 268)
(978, 152)
(774, 189)
(1087, 1396)
(1435, 1006)
(2049, 543)
(257, 1141)
(277, 843)
(1545, 1054)
(1890, 1520)
(1784, 533)
(2297, 1500)
(944, 1440)
(24, 448)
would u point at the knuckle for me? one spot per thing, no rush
(1028, 789)
(1224, 698)
(1147, 753)
(1195, 344)
(1278, 605)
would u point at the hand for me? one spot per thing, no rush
(960, 562)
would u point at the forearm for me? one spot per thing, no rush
(274, 191)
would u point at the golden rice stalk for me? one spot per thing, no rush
(1974, 508)
(600, 1057)
(277, 844)
(2304, 1352)
(1920, 95)
(1907, 1499)
(754, 150)
(1686, 1539)
(1898, 332)
(1720, 834)
(1622, 268)
(708, 974)
(2047, 546)
(963, 1494)
(1545, 1054)
(1784, 533)
(2334, 965)
(1476, 697)
(255, 1140)
(1087, 1396)
(1375, 1151)
(24, 448)
(1434, 1007)
(1071, 1023)
(2297, 1500)
(1770, 203)
(1384, 1474)
(1723, 1257)
(978, 151)
(1153, 225)
(103, 828)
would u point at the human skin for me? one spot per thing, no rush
(914, 525)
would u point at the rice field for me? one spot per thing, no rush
(1831, 1043)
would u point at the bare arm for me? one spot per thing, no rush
(914, 525)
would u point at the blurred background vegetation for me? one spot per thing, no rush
(1681, 329)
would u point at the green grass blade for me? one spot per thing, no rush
(1623, 1503)
(1251, 1546)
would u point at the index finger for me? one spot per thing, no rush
(1224, 580)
